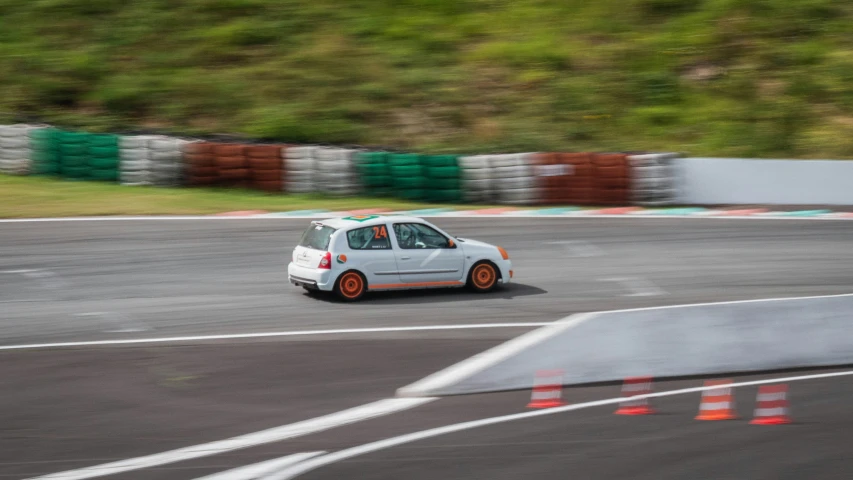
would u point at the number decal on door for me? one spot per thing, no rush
(380, 232)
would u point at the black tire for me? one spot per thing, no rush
(483, 277)
(350, 286)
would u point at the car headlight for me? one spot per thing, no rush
(504, 255)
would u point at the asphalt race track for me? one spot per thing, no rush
(70, 408)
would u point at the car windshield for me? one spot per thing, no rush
(317, 237)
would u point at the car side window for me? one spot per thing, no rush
(417, 235)
(369, 238)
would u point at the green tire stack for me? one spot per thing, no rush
(375, 173)
(444, 180)
(408, 175)
(44, 145)
(74, 155)
(103, 156)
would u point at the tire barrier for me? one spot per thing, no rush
(103, 157)
(44, 145)
(375, 173)
(514, 179)
(74, 155)
(565, 178)
(15, 149)
(408, 176)
(299, 163)
(476, 178)
(200, 164)
(166, 161)
(266, 167)
(653, 179)
(550, 178)
(135, 160)
(232, 165)
(443, 178)
(612, 179)
(335, 172)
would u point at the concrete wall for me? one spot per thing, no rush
(715, 181)
(662, 342)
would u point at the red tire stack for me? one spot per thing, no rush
(233, 165)
(266, 167)
(200, 164)
(565, 178)
(612, 179)
(551, 178)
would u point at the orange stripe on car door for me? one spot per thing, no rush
(417, 284)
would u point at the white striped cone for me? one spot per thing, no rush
(632, 387)
(717, 403)
(771, 405)
(547, 389)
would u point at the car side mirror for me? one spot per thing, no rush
(451, 244)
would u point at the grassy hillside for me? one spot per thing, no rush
(707, 77)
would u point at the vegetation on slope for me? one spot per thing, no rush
(767, 78)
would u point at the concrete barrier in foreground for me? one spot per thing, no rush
(744, 336)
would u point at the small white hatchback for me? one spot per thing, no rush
(353, 255)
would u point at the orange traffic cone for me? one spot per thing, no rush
(632, 387)
(717, 403)
(771, 405)
(547, 389)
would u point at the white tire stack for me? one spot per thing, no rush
(135, 160)
(15, 152)
(299, 166)
(335, 172)
(514, 179)
(166, 160)
(477, 184)
(653, 178)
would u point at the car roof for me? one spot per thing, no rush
(357, 221)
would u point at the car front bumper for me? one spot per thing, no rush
(310, 277)
(505, 267)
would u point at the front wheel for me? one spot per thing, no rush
(483, 277)
(350, 286)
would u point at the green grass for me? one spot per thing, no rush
(32, 197)
(761, 78)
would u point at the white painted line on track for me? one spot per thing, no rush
(262, 469)
(293, 333)
(348, 453)
(492, 356)
(277, 434)
(454, 373)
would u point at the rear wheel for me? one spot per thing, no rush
(350, 286)
(483, 277)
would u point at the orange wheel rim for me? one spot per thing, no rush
(484, 276)
(351, 285)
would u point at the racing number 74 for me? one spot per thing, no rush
(380, 232)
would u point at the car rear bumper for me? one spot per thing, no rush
(310, 277)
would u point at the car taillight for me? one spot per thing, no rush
(326, 262)
(504, 255)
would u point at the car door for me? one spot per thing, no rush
(426, 257)
(371, 253)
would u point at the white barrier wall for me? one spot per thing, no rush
(662, 342)
(721, 181)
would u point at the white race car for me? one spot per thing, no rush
(352, 255)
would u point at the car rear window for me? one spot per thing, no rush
(317, 237)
